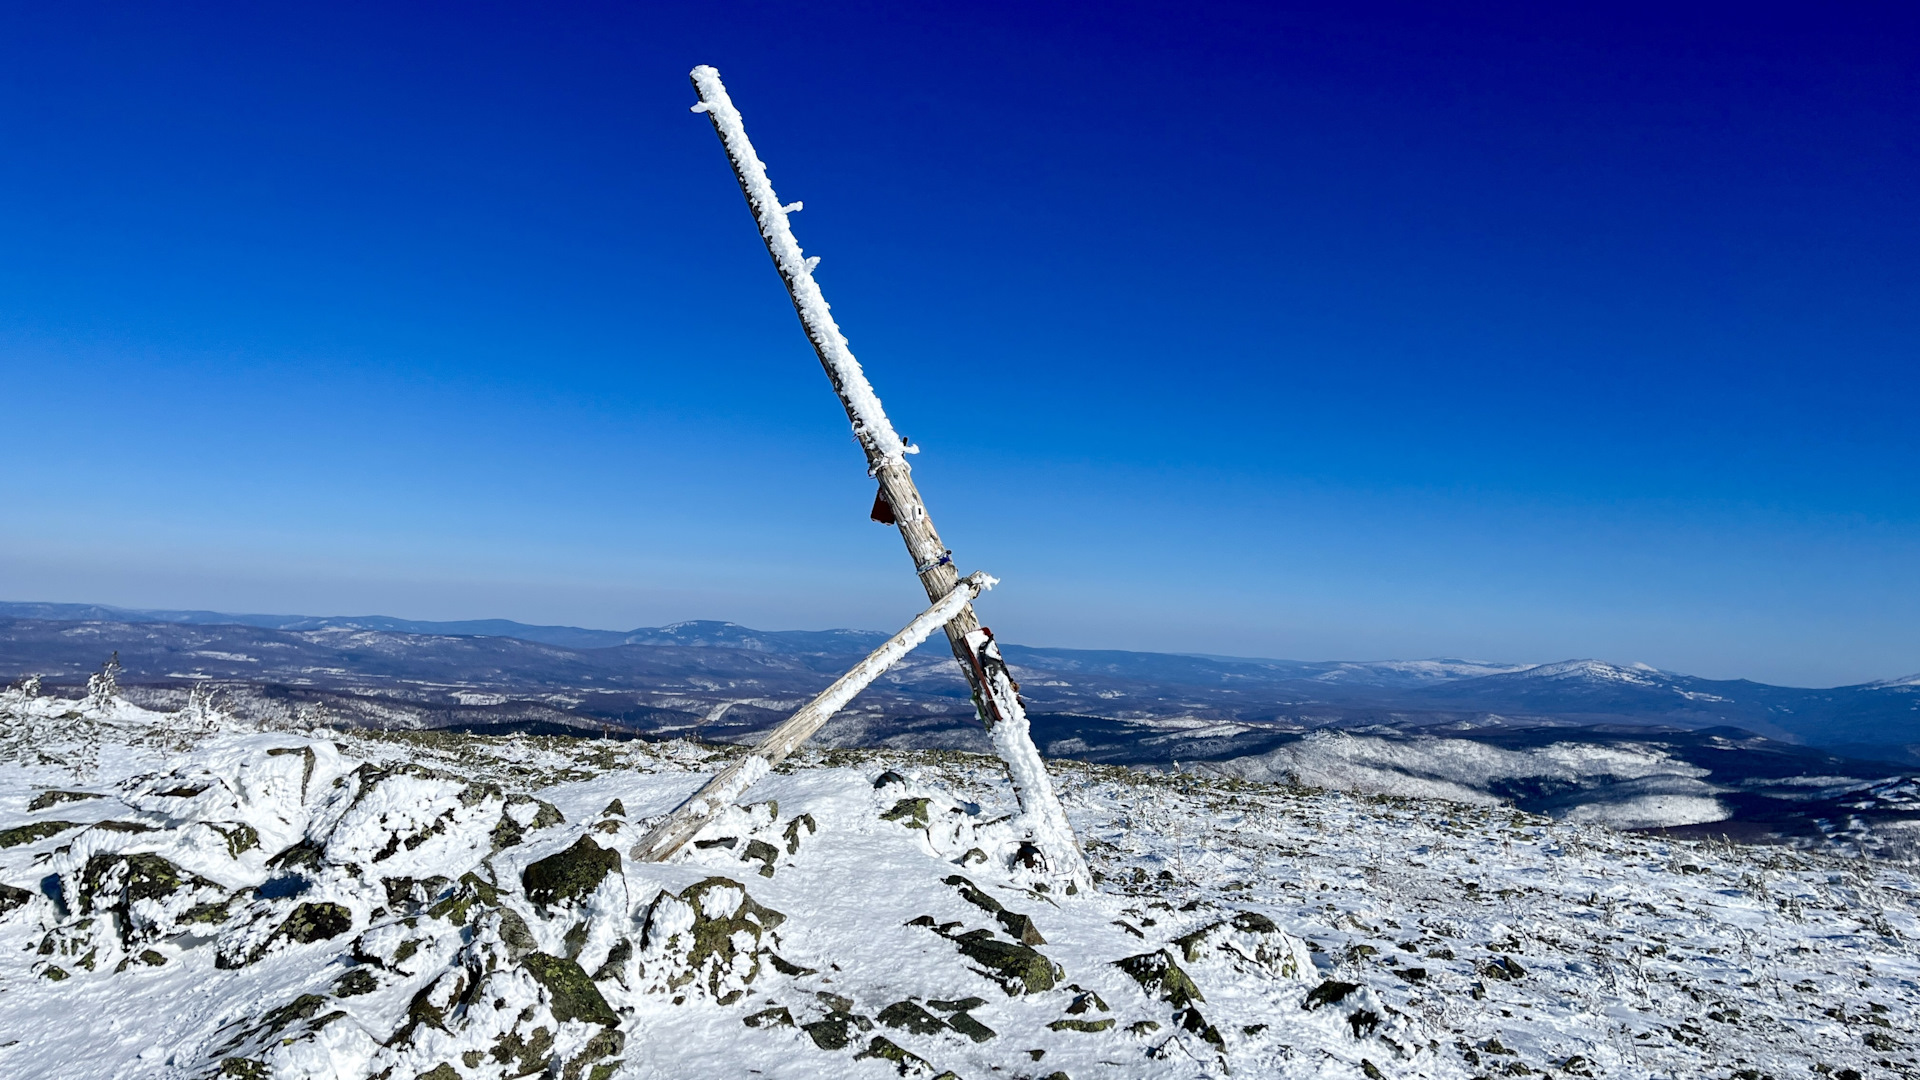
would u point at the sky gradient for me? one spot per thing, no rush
(1520, 335)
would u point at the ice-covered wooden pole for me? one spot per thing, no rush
(680, 826)
(994, 693)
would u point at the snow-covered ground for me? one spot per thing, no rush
(189, 896)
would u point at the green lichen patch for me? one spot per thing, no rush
(912, 813)
(570, 875)
(528, 1053)
(37, 831)
(470, 890)
(1019, 969)
(509, 832)
(1159, 976)
(240, 836)
(313, 922)
(727, 938)
(574, 997)
(905, 1062)
(605, 1044)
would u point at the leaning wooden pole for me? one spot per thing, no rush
(994, 692)
(680, 826)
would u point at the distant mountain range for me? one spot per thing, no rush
(704, 664)
(1556, 735)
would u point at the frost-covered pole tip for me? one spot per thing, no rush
(870, 424)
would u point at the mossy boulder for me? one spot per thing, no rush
(573, 995)
(34, 832)
(912, 813)
(1160, 977)
(712, 935)
(1019, 969)
(570, 875)
(309, 923)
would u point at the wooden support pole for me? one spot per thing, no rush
(680, 826)
(1001, 712)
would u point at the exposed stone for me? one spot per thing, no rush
(46, 800)
(574, 997)
(793, 832)
(965, 1024)
(764, 853)
(11, 898)
(778, 1016)
(1330, 992)
(711, 935)
(570, 875)
(354, 983)
(39, 830)
(905, 1062)
(1159, 976)
(309, 923)
(911, 813)
(909, 1016)
(1019, 969)
(1082, 1025)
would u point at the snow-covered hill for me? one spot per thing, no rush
(189, 896)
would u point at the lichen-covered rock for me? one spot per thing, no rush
(710, 937)
(34, 832)
(572, 996)
(913, 813)
(148, 896)
(47, 800)
(1019, 969)
(909, 1016)
(570, 875)
(521, 815)
(1162, 978)
(905, 1062)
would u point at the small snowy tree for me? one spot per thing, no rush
(198, 718)
(104, 685)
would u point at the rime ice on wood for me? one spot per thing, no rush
(685, 821)
(1059, 855)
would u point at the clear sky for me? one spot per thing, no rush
(1269, 330)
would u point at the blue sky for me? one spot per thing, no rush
(1386, 332)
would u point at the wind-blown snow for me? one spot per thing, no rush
(1647, 787)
